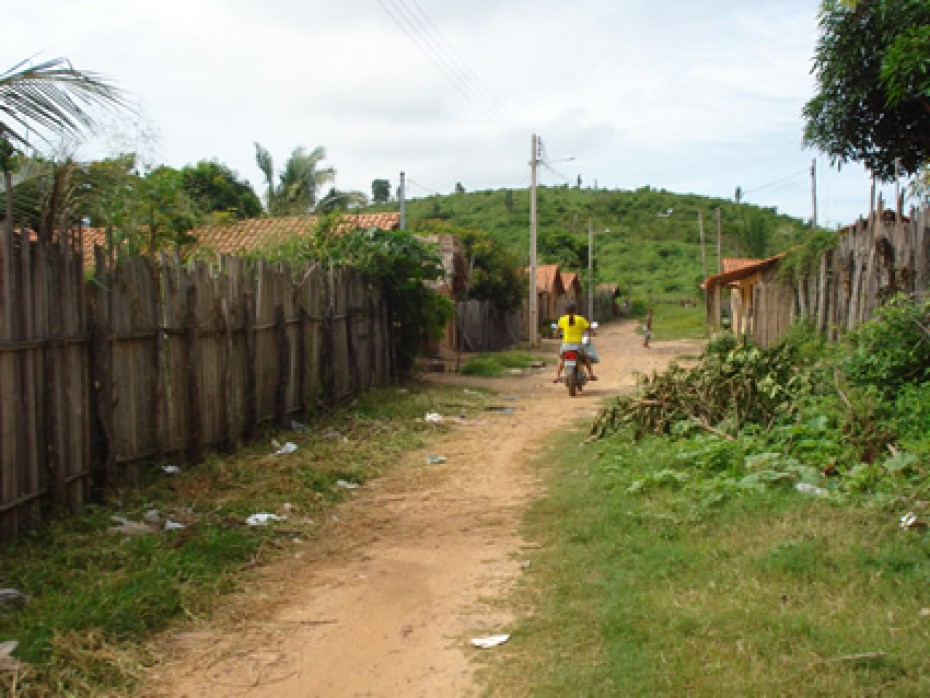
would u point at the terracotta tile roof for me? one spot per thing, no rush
(547, 278)
(746, 268)
(255, 233)
(252, 234)
(734, 263)
(569, 279)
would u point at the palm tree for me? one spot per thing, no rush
(50, 98)
(295, 192)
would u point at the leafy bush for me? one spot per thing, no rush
(893, 349)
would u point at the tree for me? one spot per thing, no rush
(380, 191)
(295, 191)
(873, 72)
(51, 98)
(336, 200)
(216, 189)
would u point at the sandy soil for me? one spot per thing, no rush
(384, 601)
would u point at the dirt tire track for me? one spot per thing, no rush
(383, 600)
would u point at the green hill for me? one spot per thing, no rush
(647, 241)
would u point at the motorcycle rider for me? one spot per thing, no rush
(573, 326)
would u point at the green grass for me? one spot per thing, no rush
(94, 596)
(672, 321)
(674, 590)
(494, 364)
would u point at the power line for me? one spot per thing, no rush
(777, 181)
(426, 189)
(420, 29)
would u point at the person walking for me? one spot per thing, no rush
(647, 328)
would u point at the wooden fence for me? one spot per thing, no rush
(871, 261)
(154, 360)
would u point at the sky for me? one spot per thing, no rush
(690, 96)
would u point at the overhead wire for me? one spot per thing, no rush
(420, 29)
(775, 182)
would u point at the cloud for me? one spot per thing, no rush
(682, 95)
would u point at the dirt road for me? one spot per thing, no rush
(385, 599)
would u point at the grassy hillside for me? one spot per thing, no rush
(647, 241)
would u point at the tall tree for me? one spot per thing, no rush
(380, 191)
(873, 73)
(337, 200)
(294, 191)
(216, 189)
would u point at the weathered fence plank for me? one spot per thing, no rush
(151, 359)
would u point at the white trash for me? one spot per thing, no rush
(262, 519)
(486, 643)
(289, 447)
(807, 488)
(433, 418)
(173, 525)
(171, 469)
(345, 484)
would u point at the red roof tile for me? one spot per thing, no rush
(255, 233)
(547, 277)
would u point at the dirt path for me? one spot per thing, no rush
(384, 600)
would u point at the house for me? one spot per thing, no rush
(243, 237)
(254, 234)
(549, 292)
(572, 292)
(759, 303)
(453, 283)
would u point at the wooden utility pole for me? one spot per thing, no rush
(590, 269)
(814, 193)
(719, 241)
(703, 251)
(403, 201)
(533, 307)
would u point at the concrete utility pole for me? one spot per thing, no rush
(403, 201)
(534, 310)
(591, 269)
(719, 242)
(814, 193)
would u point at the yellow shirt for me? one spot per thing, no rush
(571, 334)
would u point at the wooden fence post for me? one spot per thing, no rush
(192, 375)
(251, 399)
(284, 365)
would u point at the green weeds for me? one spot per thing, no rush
(495, 364)
(755, 525)
(95, 594)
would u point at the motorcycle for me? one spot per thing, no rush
(574, 375)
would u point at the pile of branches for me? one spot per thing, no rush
(733, 385)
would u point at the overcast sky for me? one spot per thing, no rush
(694, 96)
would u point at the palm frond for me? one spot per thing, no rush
(52, 97)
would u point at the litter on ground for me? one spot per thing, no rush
(435, 459)
(433, 418)
(129, 528)
(345, 484)
(489, 641)
(289, 447)
(171, 469)
(262, 519)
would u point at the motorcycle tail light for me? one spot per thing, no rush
(570, 355)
